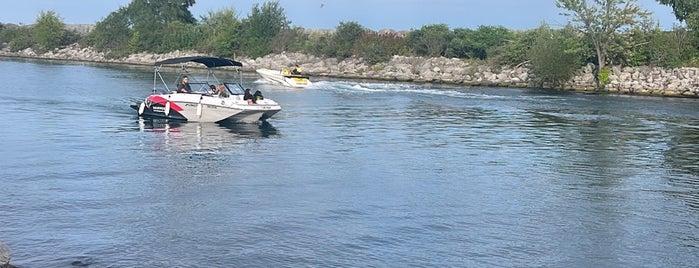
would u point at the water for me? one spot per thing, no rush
(348, 174)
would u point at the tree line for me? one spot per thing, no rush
(601, 32)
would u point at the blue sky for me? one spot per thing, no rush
(327, 14)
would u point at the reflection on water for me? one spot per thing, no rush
(257, 130)
(204, 136)
(682, 165)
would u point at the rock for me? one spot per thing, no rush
(4, 255)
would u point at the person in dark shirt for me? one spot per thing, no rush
(183, 86)
(248, 96)
(257, 96)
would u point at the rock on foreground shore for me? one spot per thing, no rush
(655, 81)
(4, 256)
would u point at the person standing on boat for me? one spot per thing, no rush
(183, 86)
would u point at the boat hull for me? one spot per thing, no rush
(289, 80)
(205, 108)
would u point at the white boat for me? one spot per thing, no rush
(285, 77)
(200, 105)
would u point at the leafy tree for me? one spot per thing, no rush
(674, 48)
(155, 17)
(132, 44)
(514, 52)
(430, 40)
(263, 24)
(17, 37)
(377, 47)
(221, 30)
(113, 34)
(474, 44)
(179, 35)
(601, 20)
(347, 34)
(288, 40)
(48, 31)
(318, 43)
(145, 25)
(555, 55)
(460, 45)
(685, 10)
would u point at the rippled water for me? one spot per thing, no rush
(348, 174)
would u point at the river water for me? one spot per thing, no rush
(348, 174)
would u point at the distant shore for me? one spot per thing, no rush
(647, 81)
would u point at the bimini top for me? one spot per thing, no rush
(210, 62)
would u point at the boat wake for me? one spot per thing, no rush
(262, 81)
(349, 87)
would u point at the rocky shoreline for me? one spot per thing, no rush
(649, 81)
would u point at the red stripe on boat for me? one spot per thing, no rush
(162, 101)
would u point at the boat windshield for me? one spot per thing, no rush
(201, 88)
(235, 88)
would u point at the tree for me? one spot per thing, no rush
(430, 40)
(153, 19)
(221, 31)
(112, 34)
(17, 37)
(600, 21)
(48, 31)
(288, 40)
(318, 43)
(475, 44)
(555, 55)
(377, 47)
(346, 36)
(685, 10)
(146, 25)
(261, 26)
(514, 52)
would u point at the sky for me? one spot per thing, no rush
(327, 14)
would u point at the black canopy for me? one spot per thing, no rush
(208, 61)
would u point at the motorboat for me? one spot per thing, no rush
(285, 77)
(200, 104)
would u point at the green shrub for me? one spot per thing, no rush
(603, 76)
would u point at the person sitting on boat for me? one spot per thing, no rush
(221, 90)
(183, 86)
(296, 70)
(248, 96)
(212, 90)
(257, 96)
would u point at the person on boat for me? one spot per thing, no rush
(221, 90)
(257, 96)
(183, 86)
(296, 70)
(248, 96)
(212, 90)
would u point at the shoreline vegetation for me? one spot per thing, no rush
(642, 81)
